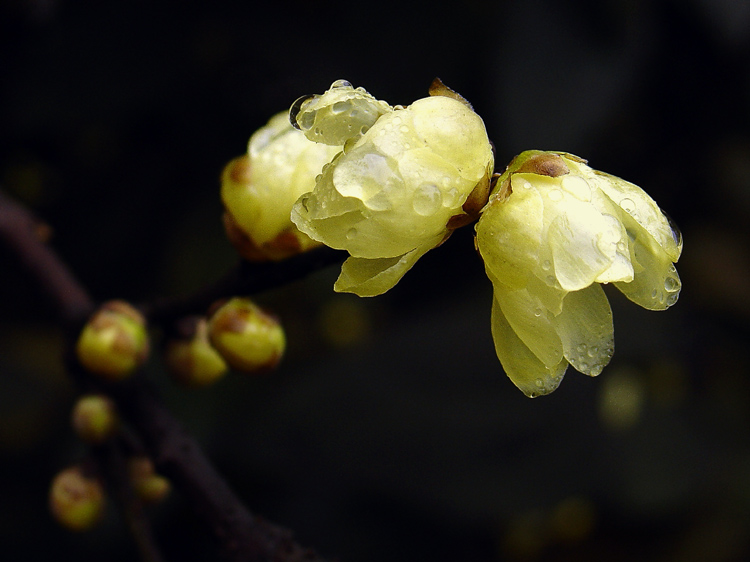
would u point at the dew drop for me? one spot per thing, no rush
(296, 108)
(538, 312)
(341, 84)
(581, 348)
(539, 383)
(671, 299)
(584, 366)
(427, 199)
(654, 293)
(671, 284)
(351, 233)
(404, 129)
(676, 233)
(555, 195)
(546, 265)
(627, 205)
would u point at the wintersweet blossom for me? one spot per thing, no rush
(259, 189)
(553, 231)
(405, 179)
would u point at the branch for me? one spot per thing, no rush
(247, 278)
(25, 236)
(241, 535)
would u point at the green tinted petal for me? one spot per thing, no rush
(371, 277)
(586, 330)
(509, 235)
(531, 322)
(526, 371)
(656, 285)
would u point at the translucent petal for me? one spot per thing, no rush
(371, 277)
(582, 242)
(522, 366)
(636, 202)
(656, 285)
(509, 235)
(282, 166)
(339, 114)
(453, 131)
(585, 329)
(531, 321)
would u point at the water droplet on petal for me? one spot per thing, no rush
(676, 233)
(581, 348)
(627, 205)
(427, 199)
(341, 84)
(538, 312)
(351, 233)
(540, 383)
(555, 195)
(671, 284)
(546, 265)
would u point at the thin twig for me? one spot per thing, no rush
(245, 279)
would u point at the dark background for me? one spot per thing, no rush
(390, 432)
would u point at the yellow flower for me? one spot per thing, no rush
(259, 189)
(553, 230)
(401, 185)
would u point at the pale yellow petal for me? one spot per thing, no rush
(509, 235)
(371, 277)
(582, 242)
(585, 329)
(636, 202)
(531, 321)
(522, 366)
(656, 285)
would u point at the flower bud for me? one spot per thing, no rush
(554, 230)
(397, 190)
(114, 341)
(259, 189)
(248, 338)
(76, 500)
(150, 487)
(192, 360)
(95, 418)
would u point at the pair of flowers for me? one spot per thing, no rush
(388, 184)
